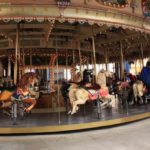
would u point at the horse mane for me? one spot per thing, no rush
(24, 82)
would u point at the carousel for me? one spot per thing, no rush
(65, 65)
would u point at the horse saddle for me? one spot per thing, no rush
(103, 92)
(93, 94)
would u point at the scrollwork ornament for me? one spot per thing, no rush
(40, 19)
(29, 19)
(51, 20)
(71, 21)
(81, 21)
(6, 19)
(17, 19)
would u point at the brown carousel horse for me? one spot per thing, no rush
(22, 91)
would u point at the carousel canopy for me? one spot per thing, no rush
(40, 34)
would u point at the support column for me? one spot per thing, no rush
(121, 62)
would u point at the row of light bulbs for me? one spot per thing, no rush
(115, 5)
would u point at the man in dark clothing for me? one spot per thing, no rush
(145, 76)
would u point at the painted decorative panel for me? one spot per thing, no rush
(146, 8)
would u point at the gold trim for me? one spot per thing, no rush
(72, 127)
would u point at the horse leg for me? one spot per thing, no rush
(74, 108)
(75, 105)
(72, 98)
(31, 102)
(135, 98)
(141, 100)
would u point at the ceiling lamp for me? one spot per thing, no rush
(63, 3)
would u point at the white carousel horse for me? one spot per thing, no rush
(79, 95)
(138, 90)
(102, 77)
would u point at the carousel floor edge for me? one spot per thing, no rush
(73, 127)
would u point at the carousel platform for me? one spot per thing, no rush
(86, 118)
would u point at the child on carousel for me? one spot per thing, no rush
(22, 92)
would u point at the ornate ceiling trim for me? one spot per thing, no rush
(72, 14)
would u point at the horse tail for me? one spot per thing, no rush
(6, 95)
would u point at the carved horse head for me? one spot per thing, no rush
(27, 80)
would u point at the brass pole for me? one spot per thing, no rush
(73, 66)
(106, 59)
(142, 57)
(87, 62)
(9, 67)
(16, 55)
(23, 59)
(66, 65)
(80, 56)
(73, 58)
(121, 62)
(135, 66)
(30, 60)
(58, 100)
(94, 56)
(23, 53)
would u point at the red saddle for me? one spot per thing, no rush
(103, 92)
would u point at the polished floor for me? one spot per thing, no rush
(134, 136)
(86, 114)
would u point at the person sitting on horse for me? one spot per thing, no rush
(145, 76)
(22, 92)
(132, 78)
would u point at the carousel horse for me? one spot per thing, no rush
(138, 91)
(81, 94)
(22, 91)
(131, 92)
(141, 88)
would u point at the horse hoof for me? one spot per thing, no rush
(69, 112)
(73, 113)
(77, 108)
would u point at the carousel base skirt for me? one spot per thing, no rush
(61, 122)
